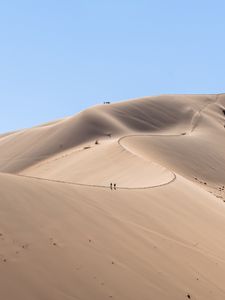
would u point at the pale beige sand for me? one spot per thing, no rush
(86, 166)
(160, 235)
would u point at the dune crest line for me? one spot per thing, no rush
(105, 186)
(194, 122)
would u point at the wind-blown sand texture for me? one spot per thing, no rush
(64, 234)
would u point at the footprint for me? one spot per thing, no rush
(53, 242)
(2, 258)
(25, 246)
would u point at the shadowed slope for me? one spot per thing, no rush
(199, 155)
(151, 114)
(186, 152)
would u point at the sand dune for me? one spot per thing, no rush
(150, 114)
(65, 234)
(85, 166)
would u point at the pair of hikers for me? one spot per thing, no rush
(113, 186)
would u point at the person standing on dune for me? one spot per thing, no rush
(111, 186)
(114, 186)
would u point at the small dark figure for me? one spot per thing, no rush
(111, 186)
(114, 186)
(96, 142)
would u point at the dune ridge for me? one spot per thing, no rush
(64, 234)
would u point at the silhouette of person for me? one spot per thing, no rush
(114, 186)
(111, 186)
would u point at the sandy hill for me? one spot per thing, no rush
(64, 234)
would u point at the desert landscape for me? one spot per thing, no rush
(122, 201)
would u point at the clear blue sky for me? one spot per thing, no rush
(59, 57)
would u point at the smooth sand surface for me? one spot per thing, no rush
(64, 234)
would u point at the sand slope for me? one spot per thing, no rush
(65, 235)
(150, 114)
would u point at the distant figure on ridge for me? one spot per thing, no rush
(114, 186)
(111, 186)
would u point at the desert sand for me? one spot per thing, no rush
(64, 234)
